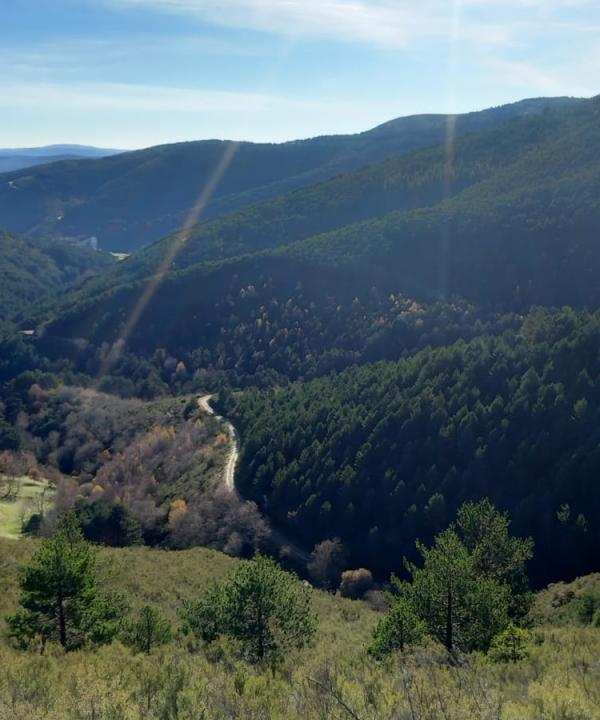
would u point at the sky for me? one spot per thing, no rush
(135, 73)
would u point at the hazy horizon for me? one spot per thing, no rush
(65, 143)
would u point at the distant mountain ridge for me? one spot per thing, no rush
(21, 158)
(135, 198)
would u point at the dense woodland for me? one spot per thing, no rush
(35, 270)
(381, 453)
(522, 234)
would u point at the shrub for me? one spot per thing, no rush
(355, 583)
(511, 645)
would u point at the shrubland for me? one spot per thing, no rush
(334, 676)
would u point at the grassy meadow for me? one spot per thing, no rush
(16, 510)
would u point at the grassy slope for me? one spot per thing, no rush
(333, 679)
(561, 603)
(168, 578)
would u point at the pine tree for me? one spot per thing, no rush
(461, 607)
(60, 600)
(264, 608)
(148, 630)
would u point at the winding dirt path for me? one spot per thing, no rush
(234, 453)
(229, 477)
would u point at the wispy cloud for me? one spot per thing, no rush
(387, 23)
(278, 69)
(150, 98)
(380, 22)
(524, 74)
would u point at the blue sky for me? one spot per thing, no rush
(133, 73)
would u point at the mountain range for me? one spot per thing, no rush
(508, 222)
(132, 199)
(21, 158)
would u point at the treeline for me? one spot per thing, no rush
(381, 454)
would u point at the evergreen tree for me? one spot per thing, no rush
(148, 630)
(464, 591)
(261, 606)
(461, 608)
(496, 555)
(204, 618)
(60, 599)
(400, 628)
(109, 523)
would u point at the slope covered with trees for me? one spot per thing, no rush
(31, 270)
(517, 228)
(379, 454)
(133, 471)
(135, 198)
(376, 332)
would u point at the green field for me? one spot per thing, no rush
(13, 512)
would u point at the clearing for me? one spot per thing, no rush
(29, 497)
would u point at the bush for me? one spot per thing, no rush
(327, 562)
(511, 645)
(400, 628)
(355, 583)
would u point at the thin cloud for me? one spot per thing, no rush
(123, 96)
(397, 23)
(526, 75)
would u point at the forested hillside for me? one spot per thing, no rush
(380, 454)
(374, 340)
(135, 472)
(34, 270)
(135, 198)
(523, 233)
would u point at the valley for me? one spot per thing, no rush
(314, 433)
